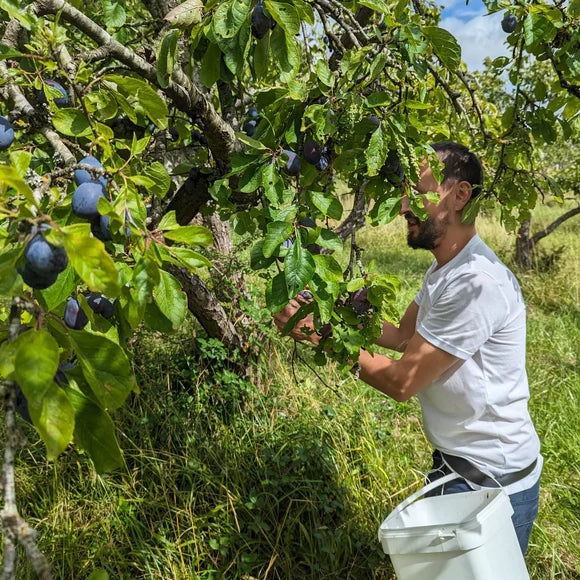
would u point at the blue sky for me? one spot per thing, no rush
(479, 35)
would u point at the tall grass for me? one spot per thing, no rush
(290, 478)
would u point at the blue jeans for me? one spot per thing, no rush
(524, 503)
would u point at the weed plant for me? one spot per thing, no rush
(289, 476)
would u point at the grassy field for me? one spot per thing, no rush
(289, 477)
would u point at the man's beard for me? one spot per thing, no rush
(425, 235)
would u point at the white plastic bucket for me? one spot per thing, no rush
(460, 536)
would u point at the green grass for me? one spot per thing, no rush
(290, 477)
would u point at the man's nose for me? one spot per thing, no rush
(404, 205)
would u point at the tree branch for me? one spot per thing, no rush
(548, 230)
(182, 92)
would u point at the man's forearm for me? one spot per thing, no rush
(392, 338)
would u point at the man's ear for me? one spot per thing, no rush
(462, 194)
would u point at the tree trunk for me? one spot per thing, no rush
(524, 247)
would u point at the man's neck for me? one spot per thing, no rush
(454, 241)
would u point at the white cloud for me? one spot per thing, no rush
(480, 36)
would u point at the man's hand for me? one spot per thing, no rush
(304, 329)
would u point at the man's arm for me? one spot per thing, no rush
(397, 337)
(419, 366)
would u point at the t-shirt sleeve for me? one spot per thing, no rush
(466, 313)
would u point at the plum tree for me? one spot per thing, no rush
(6, 133)
(130, 72)
(84, 175)
(59, 101)
(86, 197)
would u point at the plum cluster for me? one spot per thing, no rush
(75, 317)
(43, 262)
(86, 197)
(252, 120)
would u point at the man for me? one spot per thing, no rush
(463, 342)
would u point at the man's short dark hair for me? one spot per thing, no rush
(460, 163)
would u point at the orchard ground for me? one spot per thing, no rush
(291, 477)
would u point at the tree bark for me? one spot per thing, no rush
(526, 244)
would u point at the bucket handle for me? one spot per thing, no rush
(426, 489)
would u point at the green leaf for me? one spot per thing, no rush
(192, 235)
(379, 99)
(287, 55)
(445, 46)
(229, 17)
(90, 260)
(376, 5)
(299, 268)
(8, 273)
(145, 277)
(153, 105)
(105, 367)
(327, 203)
(191, 259)
(385, 210)
(328, 239)
(9, 177)
(21, 161)
(324, 73)
(277, 293)
(277, 233)
(285, 15)
(328, 268)
(257, 259)
(94, 432)
(72, 122)
(168, 222)
(114, 13)
(185, 14)
(54, 420)
(35, 363)
(170, 299)
(167, 57)
(36, 357)
(538, 31)
(252, 143)
(210, 69)
(161, 180)
(8, 52)
(58, 292)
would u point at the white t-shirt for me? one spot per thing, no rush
(472, 307)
